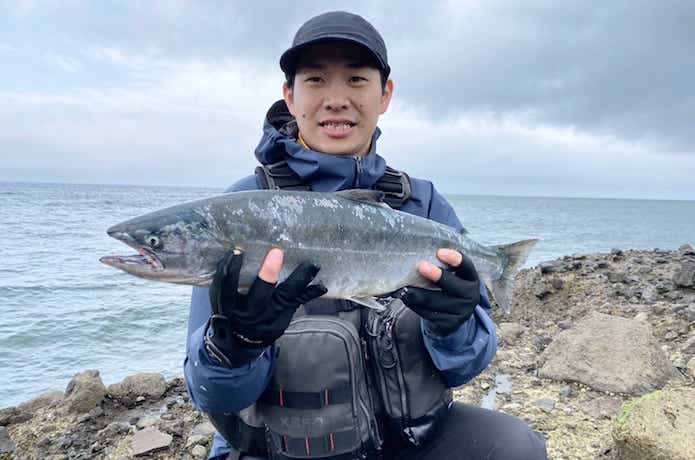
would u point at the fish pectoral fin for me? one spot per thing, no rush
(369, 302)
(362, 195)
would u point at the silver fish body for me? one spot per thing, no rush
(364, 248)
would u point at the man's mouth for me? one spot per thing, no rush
(337, 128)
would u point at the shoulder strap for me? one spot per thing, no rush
(279, 176)
(396, 187)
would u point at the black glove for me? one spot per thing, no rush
(446, 310)
(257, 319)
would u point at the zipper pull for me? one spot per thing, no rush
(358, 170)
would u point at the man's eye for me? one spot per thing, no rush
(313, 79)
(357, 79)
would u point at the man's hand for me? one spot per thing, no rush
(446, 310)
(257, 319)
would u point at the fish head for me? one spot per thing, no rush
(177, 247)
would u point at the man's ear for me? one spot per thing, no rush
(386, 95)
(288, 95)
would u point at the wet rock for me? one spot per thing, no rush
(84, 391)
(684, 277)
(547, 267)
(7, 446)
(617, 252)
(12, 416)
(147, 385)
(149, 440)
(657, 425)
(608, 353)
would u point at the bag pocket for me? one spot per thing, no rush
(317, 402)
(414, 394)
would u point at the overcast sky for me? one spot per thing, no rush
(492, 97)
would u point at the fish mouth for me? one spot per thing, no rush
(144, 258)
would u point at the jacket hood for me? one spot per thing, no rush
(323, 171)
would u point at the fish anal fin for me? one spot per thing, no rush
(369, 302)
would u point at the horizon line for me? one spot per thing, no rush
(578, 197)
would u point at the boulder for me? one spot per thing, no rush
(149, 440)
(684, 277)
(608, 353)
(147, 385)
(659, 425)
(84, 392)
(686, 250)
(41, 401)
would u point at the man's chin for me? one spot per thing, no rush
(333, 149)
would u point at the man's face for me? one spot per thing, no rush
(336, 99)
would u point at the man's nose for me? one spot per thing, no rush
(336, 100)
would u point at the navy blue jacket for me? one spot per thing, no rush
(216, 388)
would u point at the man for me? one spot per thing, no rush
(323, 135)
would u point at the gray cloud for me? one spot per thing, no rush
(619, 68)
(622, 68)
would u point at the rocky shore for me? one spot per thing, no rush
(598, 356)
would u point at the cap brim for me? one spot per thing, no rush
(288, 60)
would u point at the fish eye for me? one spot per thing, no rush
(154, 241)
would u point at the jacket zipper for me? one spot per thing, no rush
(358, 171)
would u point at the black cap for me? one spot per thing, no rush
(336, 26)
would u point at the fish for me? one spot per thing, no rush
(366, 249)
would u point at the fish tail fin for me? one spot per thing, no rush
(513, 256)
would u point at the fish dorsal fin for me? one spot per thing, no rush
(362, 195)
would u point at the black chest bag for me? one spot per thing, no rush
(345, 377)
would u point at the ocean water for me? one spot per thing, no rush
(61, 311)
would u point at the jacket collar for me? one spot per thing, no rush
(322, 171)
